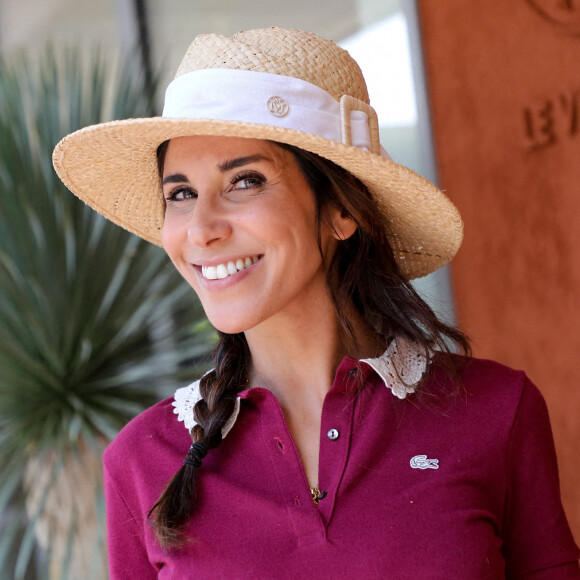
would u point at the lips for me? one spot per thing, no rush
(221, 271)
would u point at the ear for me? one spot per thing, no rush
(343, 226)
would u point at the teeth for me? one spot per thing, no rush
(210, 273)
(222, 271)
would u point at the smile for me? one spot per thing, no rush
(222, 271)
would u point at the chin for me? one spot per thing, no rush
(236, 317)
(230, 325)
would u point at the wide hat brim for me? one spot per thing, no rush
(113, 168)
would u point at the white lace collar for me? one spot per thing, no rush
(401, 367)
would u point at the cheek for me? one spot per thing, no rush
(172, 240)
(166, 238)
(170, 236)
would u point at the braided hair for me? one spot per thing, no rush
(218, 390)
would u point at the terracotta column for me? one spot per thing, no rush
(504, 89)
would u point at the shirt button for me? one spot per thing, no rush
(332, 434)
(353, 373)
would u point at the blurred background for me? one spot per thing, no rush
(482, 99)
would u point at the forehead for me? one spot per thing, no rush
(211, 149)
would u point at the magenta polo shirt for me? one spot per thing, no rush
(461, 487)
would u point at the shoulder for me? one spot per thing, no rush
(150, 424)
(489, 395)
(153, 431)
(487, 371)
(503, 386)
(476, 376)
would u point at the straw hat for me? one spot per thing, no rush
(284, 85)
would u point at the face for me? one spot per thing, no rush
(240, 226)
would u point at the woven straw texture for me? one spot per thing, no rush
(113, 166)
(297, 54)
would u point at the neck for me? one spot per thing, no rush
(297, 357)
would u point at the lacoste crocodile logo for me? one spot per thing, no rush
(421, 462)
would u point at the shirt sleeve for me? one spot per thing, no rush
(126, 545)
(538, 543)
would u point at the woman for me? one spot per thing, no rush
(336, 436)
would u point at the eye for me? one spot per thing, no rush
(181, 193)
(248, 180)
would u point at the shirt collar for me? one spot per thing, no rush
(401, 367)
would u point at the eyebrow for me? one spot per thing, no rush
(230, 164)
(175, 178)
(222, 167)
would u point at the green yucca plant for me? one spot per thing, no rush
(95, 324)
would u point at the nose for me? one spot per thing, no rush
(208, 223)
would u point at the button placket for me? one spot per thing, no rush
(336, 424)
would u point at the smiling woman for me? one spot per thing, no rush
(329, 440)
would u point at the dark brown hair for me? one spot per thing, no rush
(362, 272)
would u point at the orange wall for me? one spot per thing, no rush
(504, 88)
